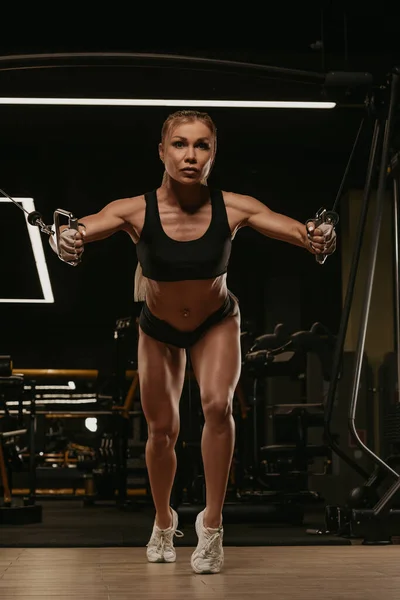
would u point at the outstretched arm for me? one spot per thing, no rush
(98, 226)
(280, 227)
(105, 223)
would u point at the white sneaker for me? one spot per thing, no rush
(161, 545)
(209, 554)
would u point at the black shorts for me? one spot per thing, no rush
(164, 332)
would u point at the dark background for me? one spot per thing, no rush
(80, 158)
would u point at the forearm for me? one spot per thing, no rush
(301, 238)
(98, 226)
(295, 233)
(278, 226)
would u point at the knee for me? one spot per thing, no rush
(162, 438)
(217, 408)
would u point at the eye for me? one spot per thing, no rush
(204, 146)
(177, 144)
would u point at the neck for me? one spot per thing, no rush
(186, 196)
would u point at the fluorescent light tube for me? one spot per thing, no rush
(166, 102)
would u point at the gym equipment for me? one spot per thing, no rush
(389, 406)
(11, 430)
(85, 480)
(283, 464)
(72, 224)
(324, 216)
(267, 482)
(35, 218)
(122, 463)
(372, 511)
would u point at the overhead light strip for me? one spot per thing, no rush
(167, 102)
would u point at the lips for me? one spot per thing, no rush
(190, 170)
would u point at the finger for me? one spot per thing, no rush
(69, 256)
(67, 248)
(67, 242)
(318, 240)
(330, 247)
(68, 239)
(69, 233)
(323, 244)
(75, 253)
(310, 226)
(316, 248)
(322, 236)
(68, 236)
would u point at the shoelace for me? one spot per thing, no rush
(165, 538)
(208, 546)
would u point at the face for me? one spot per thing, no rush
(188, 152)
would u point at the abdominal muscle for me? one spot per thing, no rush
(185, 304)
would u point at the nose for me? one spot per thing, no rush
(190, 154)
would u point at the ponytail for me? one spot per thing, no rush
(139, 294)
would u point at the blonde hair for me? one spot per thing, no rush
(139, 292)
(177, 118)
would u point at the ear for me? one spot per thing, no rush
(161, 151)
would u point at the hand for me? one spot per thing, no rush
(322, 239)
(71, 244)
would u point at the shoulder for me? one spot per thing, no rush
(248, 205)
(128, 212)
(126, 206)
(234, 199)
(240, 208)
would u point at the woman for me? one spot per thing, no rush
(183, 232)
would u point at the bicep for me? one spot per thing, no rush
(270, 223)
(273, 224)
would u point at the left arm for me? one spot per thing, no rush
(280, 227)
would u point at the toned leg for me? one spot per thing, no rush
(161, 376)
(216, 363)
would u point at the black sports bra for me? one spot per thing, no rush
(165, 259)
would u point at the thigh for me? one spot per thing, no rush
(216, 360)
(161, 370)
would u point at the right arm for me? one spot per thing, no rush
(98, 226)
(105, 223)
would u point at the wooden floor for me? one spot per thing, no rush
(302, 572)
